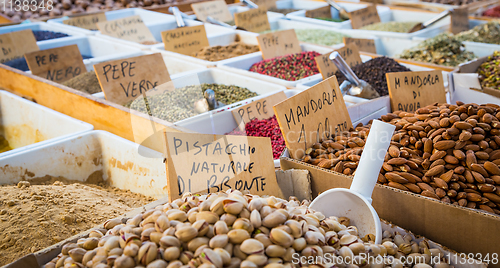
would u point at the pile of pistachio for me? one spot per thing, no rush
(233, 229)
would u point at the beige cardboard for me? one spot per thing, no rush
(259, 109)
(365, 45)
(410, 91)
(295, 182)
(462, 229)
(266, 3)
(130, 28)
(16, 44)
(349, 53)
(459, 20)
(185, 40)
(311, 115)
(201, 163)
(125, 80)
(364, 16)
(86, 21)
(279, 44)
(216, 9)
(322, 12)
(57, 64)
(253, 20)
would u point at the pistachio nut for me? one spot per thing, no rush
(314, 238)
(197, 242)
(357, 248)
(145, 235)
(280, 237)
(391, 247)
(328, 249)
(219, 241)
(245, 214)
(186, 256)
(147, 253)
(66, 248)
(237, 236)
(274, 219)
(228, 219)
(176, 215)
(398, 240)
(299, 244)
(248, 264)
(217, 206)
(115, 251)
(265, 211)
(256, 204)
(192, 216)
(255, 218)
(346, 253)
(405, 248)
(202, 227)
(109, 224)
(155, 237)
(275, 251)
(98, 259)
(208, 216)
(158, 264)
(186, 233)
(111, 243)
(169, 241)
(111, 260)
(235, 263)
(131, 250)
(206, 265)
(244, 224)
(238, 253)
(199, 250)
(162, 224)
(252, 246)
(264, 239)
(152, 218)
(258, 259)
(229, 248)
(209, 256)
(288, 257)
(90, 243)
(175, 264)
(422, 265)
(135, 221)
(95, 233)
(372, 250)
(170, 231)
(232, 206)
(348, 239)
(60, 262)
(224, 255)
(88, 256)
(171, 253)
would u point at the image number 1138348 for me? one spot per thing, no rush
(27, 5)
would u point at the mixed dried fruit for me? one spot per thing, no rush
(446, 152)
(489, 72)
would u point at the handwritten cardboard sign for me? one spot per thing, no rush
(130, 28)
(266, 3)
(202, 163)
(459, 20)
(86, 21)
(57, 64)
(253, 20)
(322, 12)
(185, 40)
(366, 45)
(410, 91)
(312, 115)
(259, 109)
(349, 53)
(365, 16)
(279, 44)
(16, 44)
(216, 9)
(126, 79)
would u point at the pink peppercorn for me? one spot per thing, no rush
(267, 128)
(291, 67)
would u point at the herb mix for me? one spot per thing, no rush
(391, 26)
(484, 33)
(291, 67)
(316, 36)
(217, 53)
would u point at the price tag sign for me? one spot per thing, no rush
(410, 91)
(185, 40)
(365, 16)
(322, 12)
(279, 44)
(259, 109)
(459, 20)
(216, 9)
(15, 44)
(202, 163)
(365, 45)
(327, 68)
(265, 3)
(129, 28)
(253, 20)
(124, 80)
(312, 115)
(88, 22)
(57, 64)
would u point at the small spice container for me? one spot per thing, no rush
(383, 11)
(244, 37)
(242, 65)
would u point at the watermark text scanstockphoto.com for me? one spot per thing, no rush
(363, 259)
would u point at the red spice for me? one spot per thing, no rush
(265, 128)
(291, 67)
(492, 12)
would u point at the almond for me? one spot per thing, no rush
(451, 159)
(459, 154)
(435, 171)
(410, 177)
(387, 167)
(444, 145)
(425, 187)
(470, 158)
(394, 151)
(428, 146)
(446, 177)
(494, 155)
(397, 161)
(472, 197)
(354, 157)
(336, 146)
(437, 155)
(326, 163)
(478, 177)
(440, 192)
(462, 125)
(486, 188)
(441, 184)
(429, 194)
(479, 168)
(482, 155)
(413, 188)
(391, 176)
(462, 202)
(465, 136)
(492, 197)
(381, 179)
(397, 186)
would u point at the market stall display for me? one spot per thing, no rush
(489, 72)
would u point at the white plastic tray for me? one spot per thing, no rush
(408, 15)
(383, 12)
(147, 16)
(242, 36)
(27, 125)
(241, 65)
(42, 26)
(76, 158)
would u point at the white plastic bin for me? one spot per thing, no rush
(409, 15)
(241, 36)
(77, 158)
(27, 125)
(383, 12)
(241, 65)
(147, 16)
(41, 26)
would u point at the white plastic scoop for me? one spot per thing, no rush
(355, 203)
